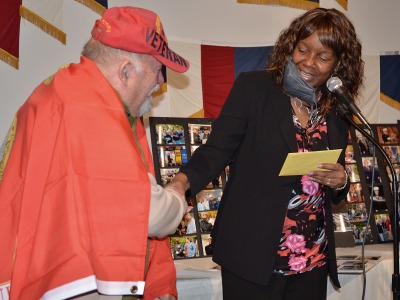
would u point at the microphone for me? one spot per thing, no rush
(335, 86)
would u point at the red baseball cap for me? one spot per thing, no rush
(137, 30)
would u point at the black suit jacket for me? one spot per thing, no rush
(253, 135)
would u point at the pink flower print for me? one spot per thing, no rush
(297, 263)
(296, 243)
(309, 187)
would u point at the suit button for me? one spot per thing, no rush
(134, 289)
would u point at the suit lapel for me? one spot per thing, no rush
(283, 112)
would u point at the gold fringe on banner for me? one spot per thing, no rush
(390, 101)
(199, 114)
(93, 5)
(343, 3)
(301, 4)
(9, 58)
(42, 24)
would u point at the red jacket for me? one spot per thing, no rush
(74, 196)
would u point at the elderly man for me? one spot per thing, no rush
(81, 210)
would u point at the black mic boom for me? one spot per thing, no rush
(335, 86)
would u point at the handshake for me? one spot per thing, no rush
(167, 207)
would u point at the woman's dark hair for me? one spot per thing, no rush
(336, 32)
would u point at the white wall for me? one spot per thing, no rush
(209, 21)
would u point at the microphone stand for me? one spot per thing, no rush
(344, 111)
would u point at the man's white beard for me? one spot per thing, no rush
(148, 103)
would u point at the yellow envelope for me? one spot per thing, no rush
(301, 163)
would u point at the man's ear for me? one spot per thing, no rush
(124, 71)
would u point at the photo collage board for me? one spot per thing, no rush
(371, 190)
(174, 140)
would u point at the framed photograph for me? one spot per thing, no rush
(360, 233)
(384, 227)
(366, 234)
(169, 134)
(370, 169)
(393, 153)
(355, 193)
(189, 223)
(184, 247)
(172, 156)
(198, 133)
(349, 155)
(356, 230)
(378, 198)
(357, 212)
(396, 168)
(208, 199)
(207, 220)
(388, 134)
(364, 145)
(206, 242)
(352, 170)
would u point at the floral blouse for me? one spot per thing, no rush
(303, 245)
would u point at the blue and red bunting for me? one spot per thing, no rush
(220, 65)
(103, 3)
(98, 6)
(389, 80)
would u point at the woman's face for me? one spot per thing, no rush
(314, 61)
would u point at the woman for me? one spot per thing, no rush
(268, 114)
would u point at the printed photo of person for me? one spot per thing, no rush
(355, 193)
(352, 170)
(170, 134)
(371, 171)
(198, 133)
(388, 134)
(364, 145)
(349, 155)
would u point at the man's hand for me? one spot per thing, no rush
(180, 184)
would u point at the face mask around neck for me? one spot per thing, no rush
(295, 86)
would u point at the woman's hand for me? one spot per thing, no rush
(335, 175)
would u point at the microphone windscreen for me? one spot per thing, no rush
(333, 84)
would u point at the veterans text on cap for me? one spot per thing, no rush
(137, 30)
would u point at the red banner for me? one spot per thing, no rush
(220, 65)
(9, 32)
(218, 74)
